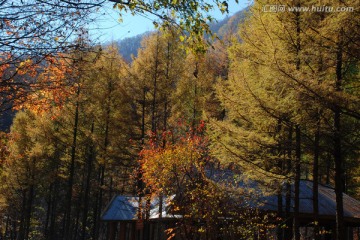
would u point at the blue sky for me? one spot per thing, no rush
(107, 27)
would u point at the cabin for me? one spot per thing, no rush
(123, 223)
(327, 211)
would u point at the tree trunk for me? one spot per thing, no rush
(53, 216)
(296, 223)
(99, 197)
(75, 233)
(279, 230)
(316, 181)
(67, 232)
(155, 79)
(287, 233)
(90, 159)
(195, 96)
(99, 202)
(29, 204)
(21, 234)
(340, 233)
(48, 211)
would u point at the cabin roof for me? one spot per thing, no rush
(124, 208)
(327, 201)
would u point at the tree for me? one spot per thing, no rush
(101, 115)
(194, 89)
(342, 58)
(281, 84)
(156, 72)
(115, 128)
(29, 168)
(88, 130)
(204, 196)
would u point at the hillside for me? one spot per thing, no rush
(129, 46)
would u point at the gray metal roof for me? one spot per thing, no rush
(327, 201)
(327, 197)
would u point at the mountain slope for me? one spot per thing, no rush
(129, 46)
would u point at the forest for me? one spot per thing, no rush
(274, 101)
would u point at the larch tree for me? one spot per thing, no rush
(194, 89)
(88, 131)
(114, 120)
(281, 95)
(155, 73)
(338, 35)
(30, 172)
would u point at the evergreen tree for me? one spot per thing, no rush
(281, 92)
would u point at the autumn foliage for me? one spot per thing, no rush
(51, 88)
(280, 106)
(183, 158)
(184, 170)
